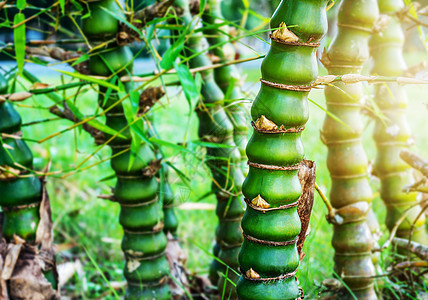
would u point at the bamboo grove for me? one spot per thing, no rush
(251, 143)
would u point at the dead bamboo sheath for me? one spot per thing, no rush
(393, 134)
(224, 163)
(144, 242)
(347, 162)
(269, 258)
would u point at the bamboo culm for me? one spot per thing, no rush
(228, 77)
(224, 163)
(141, 216)
(21, 191)
(269, 258)
(393, 134)
(350, 194)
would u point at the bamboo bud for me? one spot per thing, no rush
(252, 274)
(260, 202)
(283, 34)
(264, 123)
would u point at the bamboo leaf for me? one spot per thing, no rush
(89, 79)
(81, 59)
(211, 145)
(62, 4)
(19, 40)
(202, 5)
(172, 53)
(190, 89)
(331, 115)
(168, 144)
(20, 4)
(123, 20)
(94, 123)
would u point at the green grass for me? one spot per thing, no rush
(88, 228)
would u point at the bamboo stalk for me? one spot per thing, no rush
(216, 127)
(144, 242)
(21, 191)
(271, 225)
(228, 78)
(356, 233)
(393, 135)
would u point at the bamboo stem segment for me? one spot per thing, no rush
(356, 229)
(269, 257)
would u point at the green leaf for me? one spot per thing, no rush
(211, 145)
(202, 5)
(168, 144)
(94, 123)
(331, 115)
(89, 79)
(172, 53)
(19, 39)
(123, 20)
(190, 89)
(62, 4)
(20, 4)
(81, 59)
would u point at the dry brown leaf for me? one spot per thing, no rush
(260, 202)
(283, 34)
(264, 123)
(39, 85)
(20, 96)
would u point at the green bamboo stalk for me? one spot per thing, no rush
(350, 194)
(216, 127)
(393, 135)
(227, 77)
(141, 216)
(21, 191)
(269, 258)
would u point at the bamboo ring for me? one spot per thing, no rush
(288, 130)
(275, 168)
(306, 44)
(13, 208)
(296, 88)
(282, 277)
(270, 243)
(282, 207)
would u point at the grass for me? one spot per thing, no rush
(87, 228)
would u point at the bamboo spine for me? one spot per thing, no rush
(228, 77)
(350, 194)
(393, 134)
(141, 216)
(216, 127)
(269, 258)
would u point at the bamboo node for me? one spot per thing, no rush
(252, 274)
(381, 24)
(260, 202)
(284, 34)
